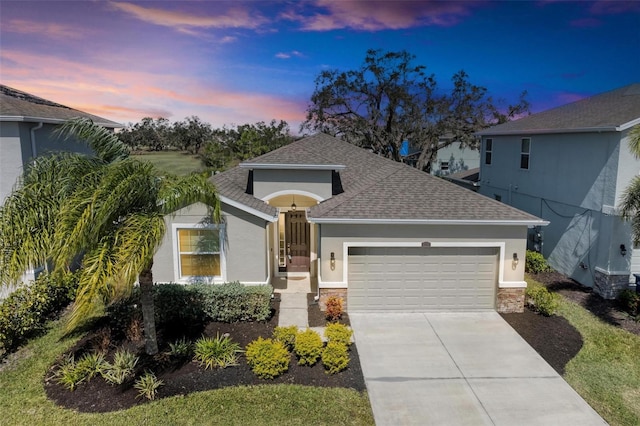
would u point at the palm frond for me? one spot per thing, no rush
(634, 140)
(178, 192)
(104, 143)
(630, 207)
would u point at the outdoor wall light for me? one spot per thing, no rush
(515, 261)
(623, 250)
(333, 261)
(293, 204)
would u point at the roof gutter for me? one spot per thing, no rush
(270, 166)
(24, 118)
(601, 129)
(346, 221)
(34, 151)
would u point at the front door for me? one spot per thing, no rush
(298, 240)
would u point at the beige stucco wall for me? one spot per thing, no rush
(244, 246)
(268, 182)
(333, 238)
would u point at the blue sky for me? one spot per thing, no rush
(243, 62)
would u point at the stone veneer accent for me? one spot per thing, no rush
(510, 300)
(326, 293)
(609, 286)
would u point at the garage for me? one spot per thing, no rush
(422, 279)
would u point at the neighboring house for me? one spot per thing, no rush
(26, 126)
(451, 159)
(570, 165)
(381, 234)
(466, 178)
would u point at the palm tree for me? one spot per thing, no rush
(631, 197)
(105, 211)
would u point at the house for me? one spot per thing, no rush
(26, 131)
(570, 166)
(26, 126)
(379, 233)
(453, 158)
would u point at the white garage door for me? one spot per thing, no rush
(416, 279)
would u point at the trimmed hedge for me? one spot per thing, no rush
(234, 301)
(536, 263)
(24, 313)
(541, 300)
(177, 304)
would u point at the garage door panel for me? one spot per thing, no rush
(416, 279)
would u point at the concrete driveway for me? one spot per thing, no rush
(460, 369)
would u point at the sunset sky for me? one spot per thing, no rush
(243, 62)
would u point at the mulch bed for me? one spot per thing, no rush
(554, 338)
(187, 376)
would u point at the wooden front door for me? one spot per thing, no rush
(298, 238)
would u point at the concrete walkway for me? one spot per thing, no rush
(294, 308)
(460, 369)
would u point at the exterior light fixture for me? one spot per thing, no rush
(333, 261)
(515, 261)
(293, 205)
(623, 250)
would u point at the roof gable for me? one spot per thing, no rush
(616, 110)
(375, 189)
(16, 105)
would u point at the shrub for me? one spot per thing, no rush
(541, 300)
(236, 302)
(286, 335)
(335, 357)
(219, 352)
(308, 347)
(24, 313)
(122, 368)
(68, 375)
(536, 263)
(148, 385)
(339, 333)
(267, 358)
(180, 348)
(334, 309)
(629, 301)
(91, 365)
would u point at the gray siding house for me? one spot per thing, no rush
(26, 132)
(381, 234)
(570, 166)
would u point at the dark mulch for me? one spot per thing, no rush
(316, 316)
(607, 310)
(185, 377)
(552, 337)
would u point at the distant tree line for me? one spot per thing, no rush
(218, 148)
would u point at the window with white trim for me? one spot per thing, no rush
(488, 151)
(525, 152)
(444, 166)
(199, 252)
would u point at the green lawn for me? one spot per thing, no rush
(23, 401)
(606, 371)
(175, 162)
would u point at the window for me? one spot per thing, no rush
(525, 151)
(199, 252)
(444, 166)
(488, 150)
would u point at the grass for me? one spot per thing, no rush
(176, 162)
(606, 371)
(23, 400)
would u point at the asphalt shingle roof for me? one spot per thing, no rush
(21, 106)
(606, 111)
(375, 188)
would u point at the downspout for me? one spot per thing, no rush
(34, 151)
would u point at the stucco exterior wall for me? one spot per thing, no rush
(629, 167)
(244, 245)
(463, 159)
(10, 157)
(269, 182)
(333, 238)
(573, 181)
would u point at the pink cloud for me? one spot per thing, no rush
(380, 15)
(126, 95)
(288, 55)
(614, 7)
(47, 29)
(233, 18)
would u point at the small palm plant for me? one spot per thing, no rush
(148, 386)
(215, 352)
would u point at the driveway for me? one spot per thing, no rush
(460, 369)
